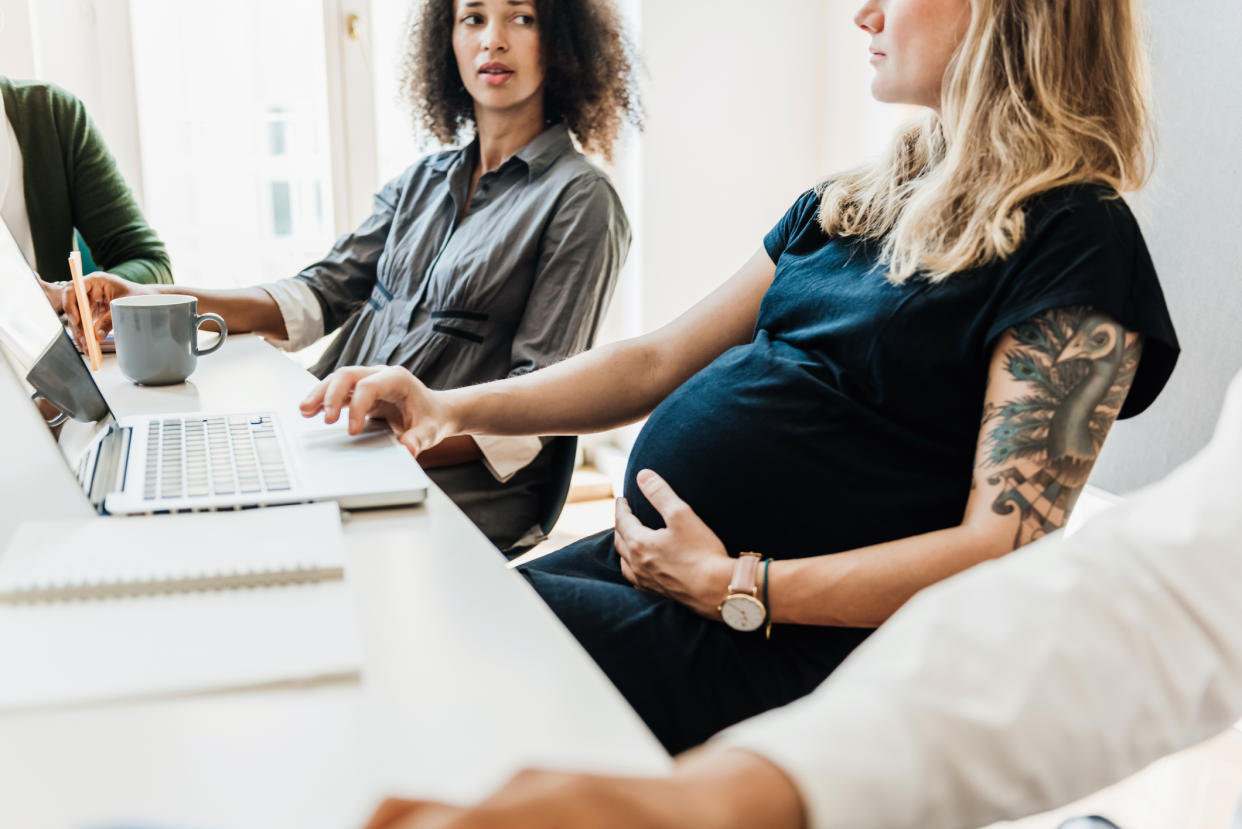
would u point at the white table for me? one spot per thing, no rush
(468, 677)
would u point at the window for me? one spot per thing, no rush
(232, 120)
(282, 209)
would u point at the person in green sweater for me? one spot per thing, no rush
(57, 176)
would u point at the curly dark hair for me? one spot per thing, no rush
(589, 72)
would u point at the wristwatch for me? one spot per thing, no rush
(742, 609)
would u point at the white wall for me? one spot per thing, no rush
(1191, 215)
(16, 49)
(733, 136)
(747, 106)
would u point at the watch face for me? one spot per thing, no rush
(742, 612)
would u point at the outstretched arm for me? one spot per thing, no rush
(243, 309)
(599, 389)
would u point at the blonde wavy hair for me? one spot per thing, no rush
(1040, 94)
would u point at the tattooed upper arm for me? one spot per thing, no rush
(1056, 384)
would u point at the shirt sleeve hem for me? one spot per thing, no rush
(1159, 353)
(301, 311)
(505, 456)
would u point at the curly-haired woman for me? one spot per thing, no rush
(482, 262)
(913, 374)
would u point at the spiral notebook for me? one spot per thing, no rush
(49, 561)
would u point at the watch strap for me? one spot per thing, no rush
(746, 575)
(767, 631)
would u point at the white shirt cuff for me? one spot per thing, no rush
(301, 311)
(505, 456)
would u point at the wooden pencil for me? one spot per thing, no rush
(84, 310)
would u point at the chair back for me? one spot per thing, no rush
(564, 451)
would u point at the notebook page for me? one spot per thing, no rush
(190, 551)
(58, 653)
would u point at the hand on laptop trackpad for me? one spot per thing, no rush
(376, 434)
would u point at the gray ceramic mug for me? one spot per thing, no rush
(157, 337)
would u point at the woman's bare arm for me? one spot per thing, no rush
(622, 382)
(599, 389)
(243, 309)
(711, 788)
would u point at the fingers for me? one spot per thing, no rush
(671, 508)
(628, 573)
(380, 393)
(312, 404)
(624, 552)
(388, 389)
(395, 813)
(69, 303)
(99, 295)
(103, 324)
(389, 812)
(364, 399)
(630, 538)
(339, 390)
(627, 522)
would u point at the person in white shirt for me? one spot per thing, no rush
(1017, 686)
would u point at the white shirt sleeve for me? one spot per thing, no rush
(505, 456)
(301, 311)
(1027, 682)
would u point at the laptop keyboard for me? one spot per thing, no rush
(202, 457)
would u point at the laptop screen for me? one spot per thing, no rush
(27, 322)
(41, 353)
(38, 343)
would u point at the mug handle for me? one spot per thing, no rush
(60, 418)
(224, 332)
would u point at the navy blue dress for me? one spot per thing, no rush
(850, 419)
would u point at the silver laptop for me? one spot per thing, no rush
(205, 460)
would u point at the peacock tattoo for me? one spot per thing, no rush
(1078, 367)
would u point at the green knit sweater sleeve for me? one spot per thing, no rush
(72, 181)
(103, 208)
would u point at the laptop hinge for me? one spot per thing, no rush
(110, 466)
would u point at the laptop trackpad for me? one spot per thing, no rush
(373, 460)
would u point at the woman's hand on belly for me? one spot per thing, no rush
(685, 561)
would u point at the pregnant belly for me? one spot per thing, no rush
(775, 461)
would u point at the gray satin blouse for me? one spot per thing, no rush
(519, 282)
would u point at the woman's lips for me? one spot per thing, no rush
(495, 74)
